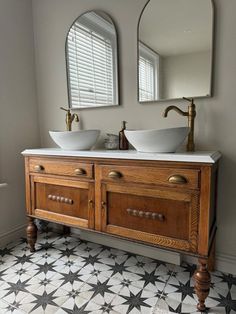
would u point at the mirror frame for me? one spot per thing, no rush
(211, 94)
(117, 65)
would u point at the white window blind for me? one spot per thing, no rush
(148, 73)
(146, 79)
(90, 63)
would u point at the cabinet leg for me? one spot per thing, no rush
(31, 233)
(202, 283)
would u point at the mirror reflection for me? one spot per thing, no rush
(175, 49)
(91, 58)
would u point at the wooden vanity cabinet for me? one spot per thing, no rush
(167, 204)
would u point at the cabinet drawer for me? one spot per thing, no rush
(61, 167)
(188, 178)
(58, 199)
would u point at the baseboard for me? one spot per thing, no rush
(224, 262)
(12, 235)
(129, 246)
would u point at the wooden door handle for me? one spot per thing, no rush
(145, 214)
(60, 199)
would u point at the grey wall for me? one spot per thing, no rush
(186, 74)
(215, 125)
(18, 108)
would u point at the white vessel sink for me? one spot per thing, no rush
(157, 141)
(75, 140)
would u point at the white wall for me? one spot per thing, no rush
(18, 110)
(215, 124)
(186, 75)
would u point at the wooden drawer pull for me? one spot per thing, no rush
(142, 214)
(114, 174)
(38, 168)
(60, 199)
(177, 179)
(80, 172)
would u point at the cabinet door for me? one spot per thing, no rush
(63, 201)
(165, 217)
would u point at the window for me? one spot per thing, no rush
(148, 73)
(91, 58)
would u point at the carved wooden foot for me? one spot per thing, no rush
(31, 233)
(202, 284)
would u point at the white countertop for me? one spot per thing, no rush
(198, 156)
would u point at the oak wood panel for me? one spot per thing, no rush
(69, 198)
(151, 175)
(98, 198)
(151, 190)
(180, 210)
(27, 187)
(60, 167)
(213, 199)
(91, 206)
(175, 214)
(60, 181)
(204, 212)
(166, 242)
(78, 197)
(60, 218)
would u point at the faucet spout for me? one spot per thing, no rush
(181, 112)
(191, 114)
(70, 118)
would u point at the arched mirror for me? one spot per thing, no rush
(92, 63)
(175, 49)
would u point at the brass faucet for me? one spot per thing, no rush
(191, 114)
(70, 118)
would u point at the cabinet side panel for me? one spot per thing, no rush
(27, 187)
(213, 201)
(205, 208)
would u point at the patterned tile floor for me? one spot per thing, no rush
(67, 275)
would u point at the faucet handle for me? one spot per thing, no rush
(67, 110)
(76, 117)
(189, 99)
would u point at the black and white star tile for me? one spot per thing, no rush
(67, 275)
(178, 295)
